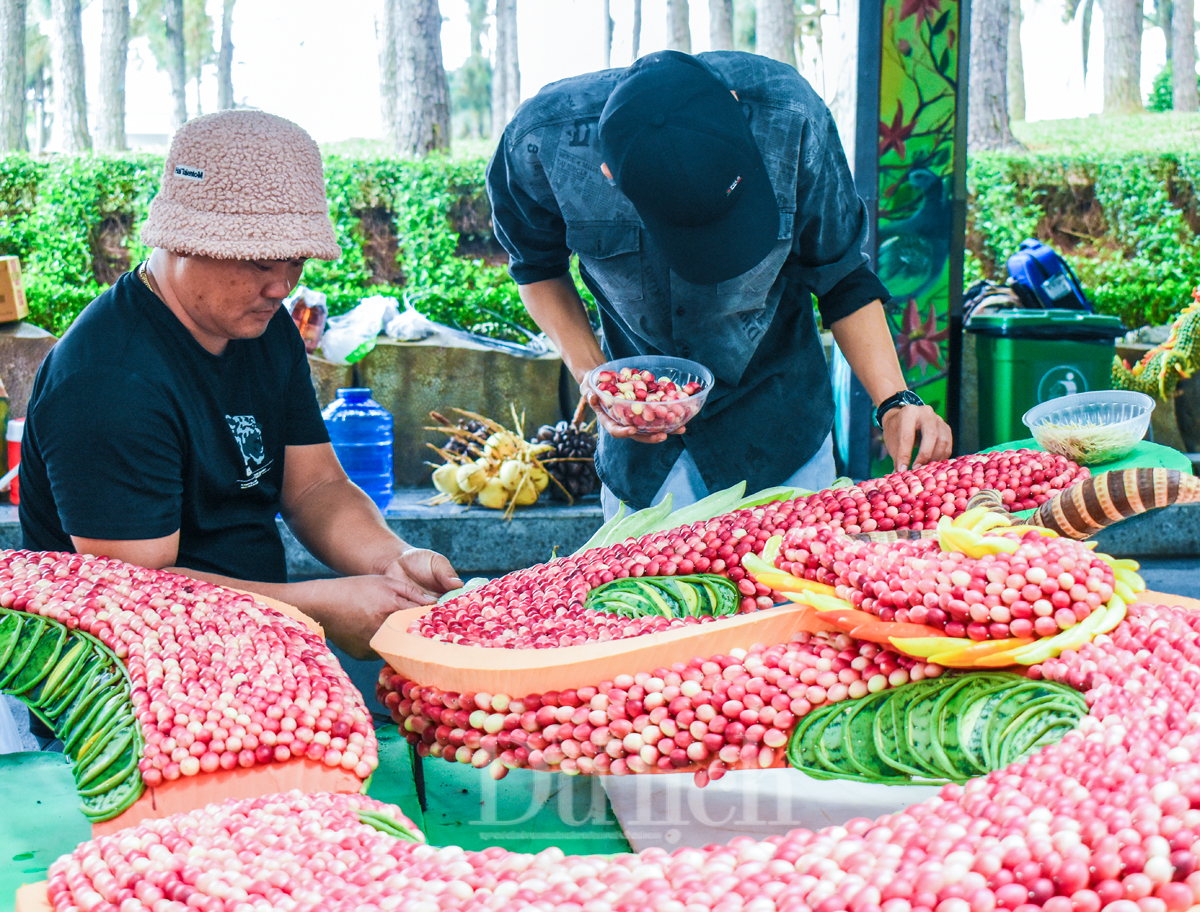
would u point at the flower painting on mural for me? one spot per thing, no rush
(918, 342)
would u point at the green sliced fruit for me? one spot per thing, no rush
(890, 742)
(118, 744)
(687, 596)
(71, 691)
(107, 805)
(32, 629)
(70, 666)
(101, 714)
(858, 735)
(113, 779)
(41, 660)
(10, 634)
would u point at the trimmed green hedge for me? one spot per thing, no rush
(1128, 223)
(404, 226)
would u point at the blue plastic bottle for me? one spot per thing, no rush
(361, 431)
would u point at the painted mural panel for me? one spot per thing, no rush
(918, 96)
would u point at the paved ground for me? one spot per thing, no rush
(1178, 575)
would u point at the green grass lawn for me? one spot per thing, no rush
(1096, 135)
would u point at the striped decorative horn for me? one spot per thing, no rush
(1084, 509)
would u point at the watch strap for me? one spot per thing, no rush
(896, 400)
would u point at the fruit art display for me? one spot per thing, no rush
(704, 647)
(1104, 820)
(168, 693)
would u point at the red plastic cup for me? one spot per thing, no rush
(13, 434)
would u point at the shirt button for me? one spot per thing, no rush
(685, 350)
(679, 311)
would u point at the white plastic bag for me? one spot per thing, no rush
(351, 336)
(410, 325)
(10, 736)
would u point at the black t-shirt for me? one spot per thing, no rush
(135, 430)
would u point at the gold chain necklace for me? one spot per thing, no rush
(143, 272)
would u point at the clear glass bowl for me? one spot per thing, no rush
(654, 417)
(1091, 428)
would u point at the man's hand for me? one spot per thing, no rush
(427, 573)
(620, 430)
(353, 608)
(901, 427)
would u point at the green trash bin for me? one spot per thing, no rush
(1028, 356)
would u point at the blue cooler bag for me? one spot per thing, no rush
(1050, 277)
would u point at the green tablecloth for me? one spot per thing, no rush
(526, 811)
(41, 819)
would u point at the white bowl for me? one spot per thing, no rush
(1091, 428)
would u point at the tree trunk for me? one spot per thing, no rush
(387, 28)
(608, 33)
(41, 128)
(720, 24)
(423, 98)
(70, 98)
(637, 29)
(506, 73)
(225, 59)
(12, 76)
(1184, 94)
(1016, 64)
(176, 63)
(775, 30)
(114, 53)
(679, 33)
(1122, 56)
(987, 112)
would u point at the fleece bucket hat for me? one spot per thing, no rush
(678, 146)
(242, 185)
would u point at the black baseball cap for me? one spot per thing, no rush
(678, 146)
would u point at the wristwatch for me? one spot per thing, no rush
(896, 400)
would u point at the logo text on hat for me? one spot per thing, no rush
(733, 186)
(190, 173)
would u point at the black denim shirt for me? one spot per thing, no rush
(771, 406)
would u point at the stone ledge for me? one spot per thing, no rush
(478, 541)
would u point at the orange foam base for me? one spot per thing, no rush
(518, 672)
(186, 794)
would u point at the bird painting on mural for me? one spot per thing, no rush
(913, 251)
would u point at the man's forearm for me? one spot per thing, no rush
(342, 528)
(866, 341)
(558, 311)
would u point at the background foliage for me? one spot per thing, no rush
(1129, 223)
(415, 228)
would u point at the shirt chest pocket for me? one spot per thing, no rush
(612, 255)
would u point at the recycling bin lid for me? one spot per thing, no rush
(1058, 325)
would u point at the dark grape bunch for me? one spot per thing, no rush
(572, 460)
(471, 426)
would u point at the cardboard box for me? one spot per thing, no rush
(12, 291)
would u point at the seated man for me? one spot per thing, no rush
(176, 417)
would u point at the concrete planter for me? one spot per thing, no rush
(410, 379)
